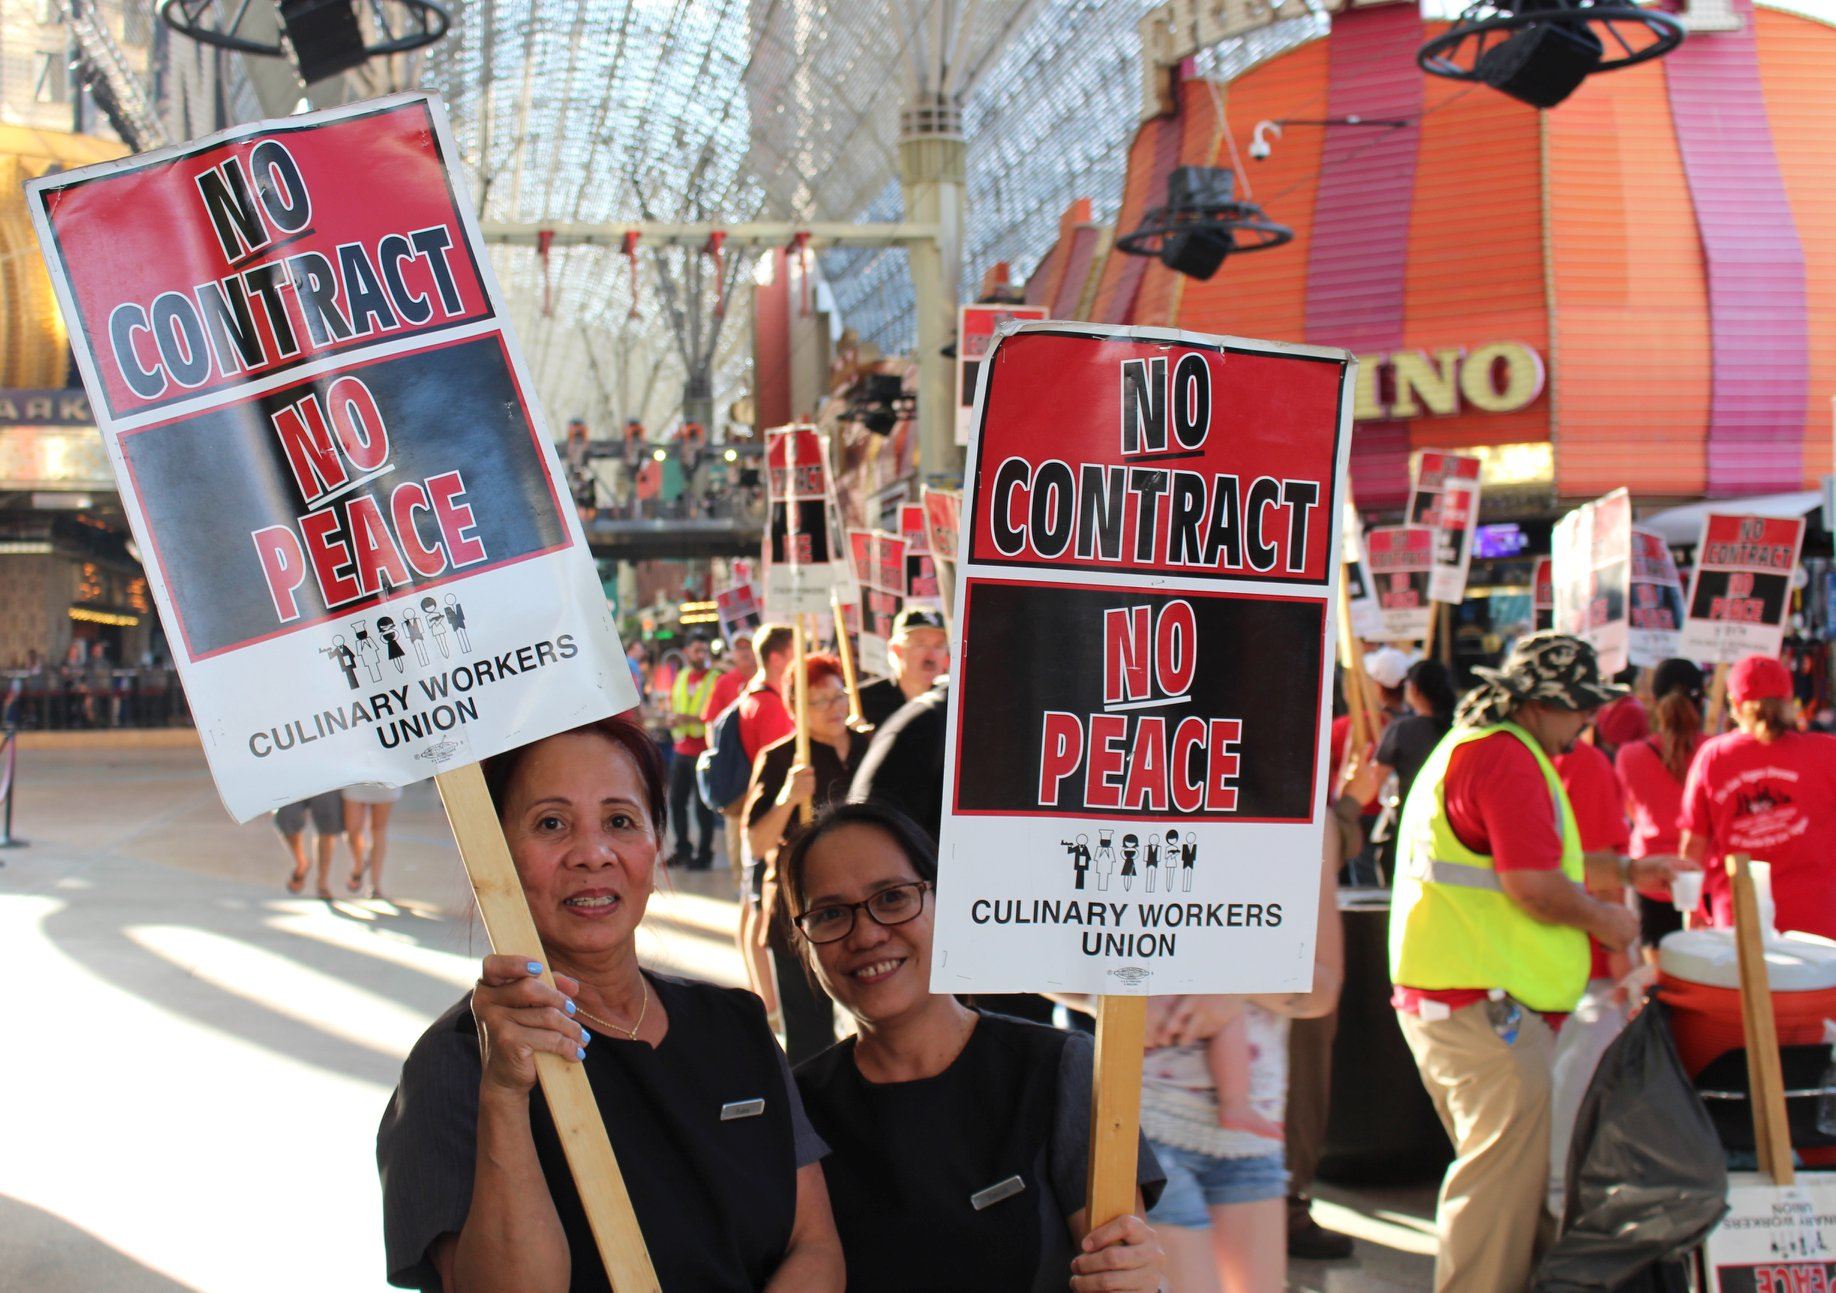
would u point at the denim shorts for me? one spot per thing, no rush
(1197, 1181)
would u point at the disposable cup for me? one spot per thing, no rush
(1686, 890)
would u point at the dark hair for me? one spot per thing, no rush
(1432, 679)
(1678, 720)
(906, 833)
(624, 731)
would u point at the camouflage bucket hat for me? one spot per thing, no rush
(1550, 668)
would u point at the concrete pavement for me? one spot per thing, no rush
(196, 1061)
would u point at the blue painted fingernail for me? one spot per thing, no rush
(534, 967)
(585, 1036)
(580, 1054)
(568, 1005)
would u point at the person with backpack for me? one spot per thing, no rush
(742, 665)
(735, 739)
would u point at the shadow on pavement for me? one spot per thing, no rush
(42, 1251)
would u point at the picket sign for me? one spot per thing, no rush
(1174, 657)
(304, 419)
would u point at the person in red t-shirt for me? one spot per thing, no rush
(1651, 772)
(1769, 791)
(1600, 816)
(1467, 931)
(763, 719)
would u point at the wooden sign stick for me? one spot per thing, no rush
(1434, 624)
(1115, 1108)
(564, 1085)
(1717, 702)
(799, 673)
(1765, 1078)
(843, 645)
(1352, 659)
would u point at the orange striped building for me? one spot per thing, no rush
(1635, 288)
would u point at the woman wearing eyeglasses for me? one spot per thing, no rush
(958, 1140)
(780, 786)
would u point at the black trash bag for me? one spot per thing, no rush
(1647, 1179)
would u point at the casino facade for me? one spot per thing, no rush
(1635, 288)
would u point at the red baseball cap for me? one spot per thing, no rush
(1622, 722)
(1758, 677)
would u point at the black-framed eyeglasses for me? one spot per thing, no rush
(893, 905)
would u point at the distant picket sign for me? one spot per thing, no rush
(738, 608)
(328, 447)
(1591, 576)
(1145, 600)
(1740, 591)
(975, 334)
(879, 563)
(1446, 500)
(1401, 564)
(803, 560)
(1361, 594)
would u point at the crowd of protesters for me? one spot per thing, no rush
(1528, 832)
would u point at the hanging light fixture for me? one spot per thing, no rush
(1539, 51)
(323, 38)
(1202, 223)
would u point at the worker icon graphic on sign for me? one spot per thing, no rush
(1151, 862)
(341, 656)
(455, 617)
(397, 656)
(417, 636)
(1188, 854)
(1105, 857)
(1130, 845)
(436, 624)
(368, 651)
(1079, 849)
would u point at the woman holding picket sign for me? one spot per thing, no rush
(696, 1097)
(959, 1140)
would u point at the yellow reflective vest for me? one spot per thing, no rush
(683, 702)
(1451, 924)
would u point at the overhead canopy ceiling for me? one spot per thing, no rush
(673, 110)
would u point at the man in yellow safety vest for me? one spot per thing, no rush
(1489, 930)
(688, 697)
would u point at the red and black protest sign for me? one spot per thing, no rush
(1145, 605)
(921, 586)
(879, 564)
(354, 525)
(1740, 594)
(1402, 563)
(803, 564)
(738, 608)
(1446, 500)
(943, 519)
(1593, 577)
(1654, 602)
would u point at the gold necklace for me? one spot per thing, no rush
(631, 1032)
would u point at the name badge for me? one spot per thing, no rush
(742, 1109)
(995, 1193)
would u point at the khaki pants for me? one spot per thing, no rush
(1494, 1101)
